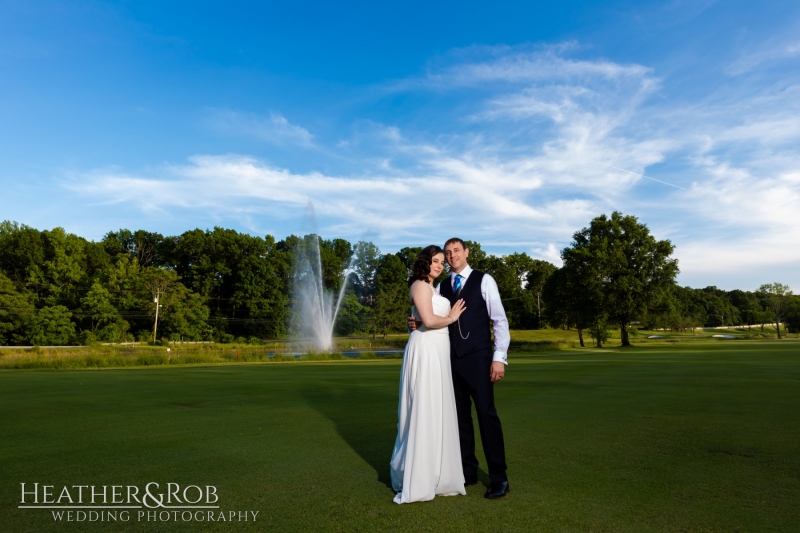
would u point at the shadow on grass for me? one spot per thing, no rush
(365, 417)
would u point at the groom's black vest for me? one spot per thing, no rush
(474, 322)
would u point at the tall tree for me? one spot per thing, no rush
(352, 315)
(149, 248)
(184, 315)
(477, 258)
(510, 272)
(51, 326)
(408, 255)
(16, 309)
(776, 297)
(575, 293)
(535, 279)
(391, 299)
(365, 266)
(22, 251)
(562, 300)
(101, 316)
(631, 266)
(336, 255)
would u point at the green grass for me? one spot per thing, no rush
(692, 437)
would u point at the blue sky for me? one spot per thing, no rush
(509, 123)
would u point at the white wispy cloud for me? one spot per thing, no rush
(396, 206)
(488, 64)
(273, 129)
(771, 52)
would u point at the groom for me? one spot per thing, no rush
(476, 366)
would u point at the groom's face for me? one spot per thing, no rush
(456, 256)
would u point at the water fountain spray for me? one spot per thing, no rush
(315, 305)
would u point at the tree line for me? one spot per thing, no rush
(58, 288)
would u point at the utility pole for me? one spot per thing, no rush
(539, 308)
(157, 283)
(155, 325)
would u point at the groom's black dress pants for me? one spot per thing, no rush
(472, 382)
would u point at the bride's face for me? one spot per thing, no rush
(437, 265)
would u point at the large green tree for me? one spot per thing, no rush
(149, 248)
(101, 316)
(575, 294)
(477, 258)
(776, 299)
(16, 309)
(408, 255)
(353, 316)
(391, 306)
(50, 326)
(509, 272)
(632, 268)
(538, 273)
(22, 251)
(184, 315)
(365, 267)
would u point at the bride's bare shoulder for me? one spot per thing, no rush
(419, 286)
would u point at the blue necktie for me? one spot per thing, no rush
(457, 286)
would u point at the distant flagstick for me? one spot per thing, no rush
(648, 178)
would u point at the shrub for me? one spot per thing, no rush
(87, 338)
(51, 326)
(225, 338)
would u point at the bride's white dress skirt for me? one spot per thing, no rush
(426, 461)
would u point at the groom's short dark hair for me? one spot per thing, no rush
(455, 240)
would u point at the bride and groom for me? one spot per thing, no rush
(449, 362)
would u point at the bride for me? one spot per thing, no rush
(427, 458)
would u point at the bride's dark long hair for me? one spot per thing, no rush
(422, 266)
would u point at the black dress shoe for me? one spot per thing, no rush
(497, 489)
(469, 481)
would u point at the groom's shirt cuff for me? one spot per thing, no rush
(500, 356)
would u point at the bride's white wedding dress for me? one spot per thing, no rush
(426, 461)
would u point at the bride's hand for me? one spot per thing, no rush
(456, 310)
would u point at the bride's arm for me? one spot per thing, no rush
(422, 296)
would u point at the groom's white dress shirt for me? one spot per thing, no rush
(494, 306)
